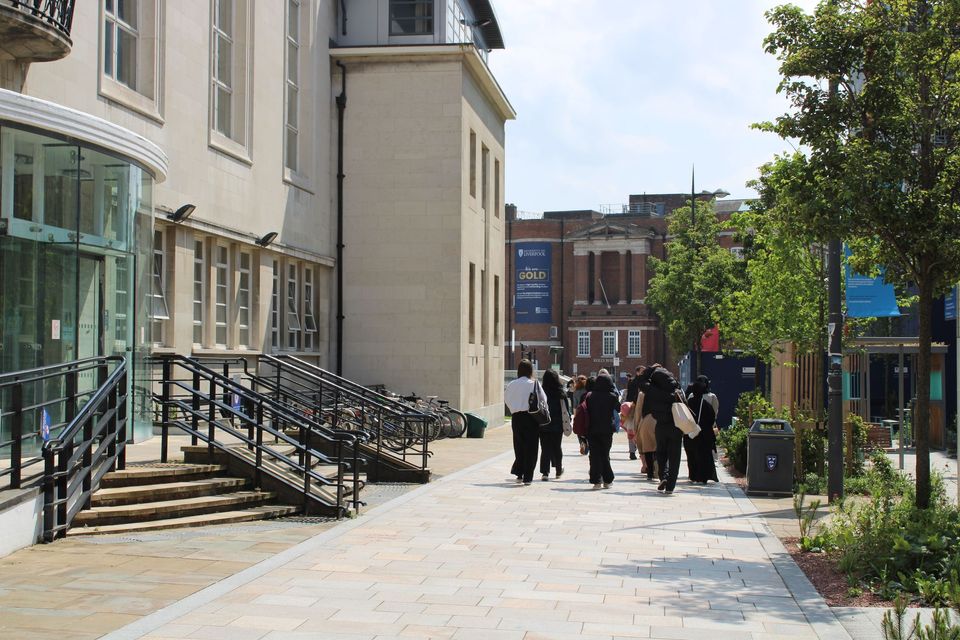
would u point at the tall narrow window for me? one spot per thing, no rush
(158, 296)
(243, 301)
(609, 343)
(120, 41)
(496, 310)
(275, 307)
(473, 164)
(583, 343)
(483, 306)
(633, 343)
(496, 188)
(122, 292)
(199, 296)
(222, 282)
(472, 304)
(223, 64)
(309, 320)
(484, 177)
(411, 17)
(293, 308)
(291, 153)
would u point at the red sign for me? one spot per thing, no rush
(710, 341)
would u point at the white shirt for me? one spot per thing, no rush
(517, 394)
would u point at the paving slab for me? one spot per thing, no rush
(475, 555)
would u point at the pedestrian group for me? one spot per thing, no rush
(657, 426)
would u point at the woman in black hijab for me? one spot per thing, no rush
(602, 403)
(703, 405)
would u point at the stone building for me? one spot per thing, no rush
(579, 301)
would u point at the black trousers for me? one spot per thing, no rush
(551, 451)
(526, 437)
(650, 457)
(669, 443)
(600, 469)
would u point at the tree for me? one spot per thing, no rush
(689, 285)
(875, 94)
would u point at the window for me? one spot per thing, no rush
(222, 268)
(471, 307)
(411, 17)
(275, 307)
(633, 343)
(496, 310)
(121, 293)
(293, 303)
(473, 164)
(309, 322)
(199, 288)
(457, 29)
(120, 41)
(158, 297)
(609, 343)
(484, 177)
(496, 188)
(483, 306)
(583, 344)
(292, 113)
(229, 77)
(737, 252)
(243, 301)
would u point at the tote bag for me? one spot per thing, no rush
(683, 418)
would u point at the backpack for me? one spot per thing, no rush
(581, 418)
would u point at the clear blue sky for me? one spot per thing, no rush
(622, 96)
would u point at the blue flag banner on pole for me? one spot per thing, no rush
(950, 305)
(869, 297)
(533, 299)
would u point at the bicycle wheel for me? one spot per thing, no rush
(458, 422)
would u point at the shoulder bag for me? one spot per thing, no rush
(683, 419)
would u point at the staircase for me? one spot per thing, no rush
(170, 496)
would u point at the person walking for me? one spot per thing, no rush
(583, 386)
(704, 405)
(633, 391)
(551, 435)
(660, 390)
(526, 431)
(602, 403)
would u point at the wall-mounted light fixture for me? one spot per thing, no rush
(476, 23)
(182, 213)
(266, 239)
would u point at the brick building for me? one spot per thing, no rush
(578, 282)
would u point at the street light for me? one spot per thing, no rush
(709, 195)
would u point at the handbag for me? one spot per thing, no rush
(683, 419)
(565, 418)
(538, 410)
(581, 418)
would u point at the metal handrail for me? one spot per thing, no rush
(270, 420)
(57, 13)
(55, 388)
(91, 445)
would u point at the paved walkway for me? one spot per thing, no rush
(474, 555)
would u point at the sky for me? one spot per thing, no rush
(620, 97)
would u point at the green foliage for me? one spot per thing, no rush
(807, 521)
(894, 624)
(733, 440)
(860, 433)
(687, 288)
(814, 483)
(875, 105)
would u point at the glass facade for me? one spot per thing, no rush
(76, 256)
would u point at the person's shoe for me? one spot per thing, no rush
(559, 472)
(597, 486)
(606, 485)
(668, 492)
(662, 485)
(519, 479)
(633, 456)
(545, 477)
(527, 483)
(649, 477)
(583, 448)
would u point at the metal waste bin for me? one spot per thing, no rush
(475, 426)
(770, 457)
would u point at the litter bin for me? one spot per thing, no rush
(475, 426)
(770, 457)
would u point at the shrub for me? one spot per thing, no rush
(734, 442)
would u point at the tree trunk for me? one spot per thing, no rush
(921, 416)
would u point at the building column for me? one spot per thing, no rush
(597, 291)
(622, 296)
(639, 268)
(581, 273)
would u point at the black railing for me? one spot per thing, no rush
(232, 418)
(397, 430)
(57, 13)
(91, 445)
(36, 405)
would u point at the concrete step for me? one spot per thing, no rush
(161, 473)
(226, 517)
(165, 491)
(171, 509)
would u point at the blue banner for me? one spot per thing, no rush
(533, 289)
(869, 297)
(950, 305)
